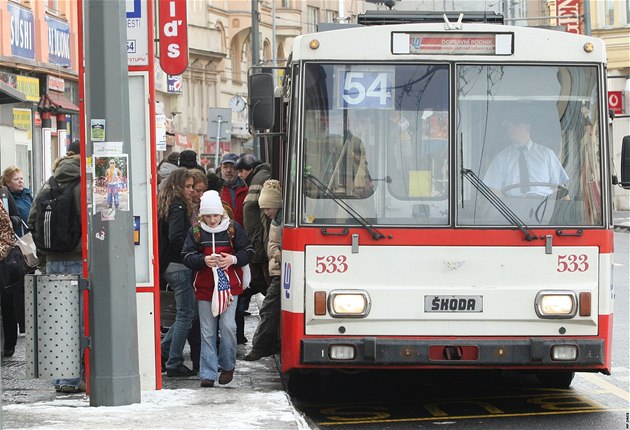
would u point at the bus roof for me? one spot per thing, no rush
(377, 43)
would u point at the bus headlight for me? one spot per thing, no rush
(556, 304)
(348, 303)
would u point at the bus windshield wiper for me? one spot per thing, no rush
(503, 209)
(376, 235)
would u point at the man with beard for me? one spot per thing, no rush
(234, 189)
(234, 193)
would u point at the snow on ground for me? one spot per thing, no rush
(218, 407)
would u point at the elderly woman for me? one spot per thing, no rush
(13, 179)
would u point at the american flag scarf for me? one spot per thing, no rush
(222, 296)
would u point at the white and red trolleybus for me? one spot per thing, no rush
(415, 234)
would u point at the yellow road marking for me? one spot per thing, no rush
(606, 386)
(461, 417)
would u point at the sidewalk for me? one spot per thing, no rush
(621, 220)
(253, 400)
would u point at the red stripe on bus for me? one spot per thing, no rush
(296, 239)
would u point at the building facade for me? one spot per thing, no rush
(39, 58)
(220, 56)
(610, 20)
(39, 54)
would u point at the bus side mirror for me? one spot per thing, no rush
(625, 163)
(261, 101)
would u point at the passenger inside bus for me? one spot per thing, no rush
(339, 162)
(416, 152)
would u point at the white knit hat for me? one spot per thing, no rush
(211, 204)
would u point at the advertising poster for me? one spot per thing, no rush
(110, 190)
(97, 130)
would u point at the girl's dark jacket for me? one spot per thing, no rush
(172, 234)
(196, 249)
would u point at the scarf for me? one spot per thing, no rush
(223, 226)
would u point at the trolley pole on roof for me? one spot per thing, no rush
(114, 374)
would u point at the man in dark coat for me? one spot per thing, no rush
(256, 224)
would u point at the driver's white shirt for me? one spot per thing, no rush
(542, 163)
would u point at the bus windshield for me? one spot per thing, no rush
(531, 133)
(389, 142)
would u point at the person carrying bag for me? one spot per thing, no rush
(13, 262)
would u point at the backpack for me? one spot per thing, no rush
(58, 223)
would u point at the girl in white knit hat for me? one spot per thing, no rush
(216, 249)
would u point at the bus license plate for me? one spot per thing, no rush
(453, 303)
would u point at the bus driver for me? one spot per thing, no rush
(524, 168)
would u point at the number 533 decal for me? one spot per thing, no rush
(572, 263)
(331, 264)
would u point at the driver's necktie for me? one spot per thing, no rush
(523, 170)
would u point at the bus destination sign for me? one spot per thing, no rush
(434, 43)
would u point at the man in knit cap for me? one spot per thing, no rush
(254, 172)
(266, 340)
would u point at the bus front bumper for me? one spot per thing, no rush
(376, 352)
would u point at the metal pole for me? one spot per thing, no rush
(114, 377)
(587, 17)
(255, 60)
(255, 41)
(217, 168)
(274, 54)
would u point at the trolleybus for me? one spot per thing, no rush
(417, 235)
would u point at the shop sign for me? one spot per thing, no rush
(570, 9)
(22, 32)
(22, 120)
(174, 83)
(173, 30)
(182, 141)
(160, 132)
(56, 84)
(615, 102)
(58, 42)
(29, 86)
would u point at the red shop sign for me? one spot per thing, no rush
(173, 36)
(615, 101)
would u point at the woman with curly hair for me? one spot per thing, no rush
(174, 210)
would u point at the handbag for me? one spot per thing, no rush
(29, 250)
(168, 307)
(14, 268)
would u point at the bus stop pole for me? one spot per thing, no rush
(114, 376)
